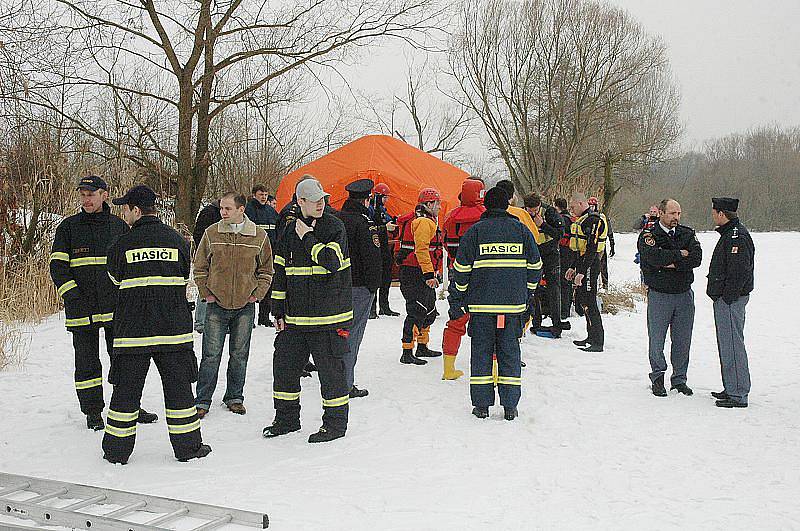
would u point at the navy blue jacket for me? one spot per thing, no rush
(263, 216)
(730, 274)
(497, 267)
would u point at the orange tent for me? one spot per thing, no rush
(404, 168)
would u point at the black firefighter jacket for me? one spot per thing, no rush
(730, 274)
(364, 244)
(78, 267)
(497, 267)
(150, 267)
(658, 251)
(312, 288)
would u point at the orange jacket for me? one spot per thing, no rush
(526, 219)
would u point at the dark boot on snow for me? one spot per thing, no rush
(201, 452)
(409, 358)
(355, 392)
(658, 387)
(481, 412)
(581, 342)
(94, 421)
(325, 435)
(424, 352)
(510, 413)
(146, 418)
(720, 395)
(276, 430)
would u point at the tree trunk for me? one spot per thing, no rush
(186, 201)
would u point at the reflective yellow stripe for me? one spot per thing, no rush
(481, 380)
(181, 413)
(278, 295)
(80, 321)
(140, 282)
(122, 417)
(531, 285)
(88, 384)
(152, 340)
(314, 270)
(280, 395)
(89, 260)
(462, 268)
(336, 402)
(102, 317)
(497, 308)
(499, 262)
(537, 265)
(278, 259)
(318, 247)
(64, 257)
(113, 280)
(120, 432)
(66, 286)
(509, 380)
(323, 320)
(462, 287)
(183, 428)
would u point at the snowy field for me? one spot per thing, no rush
(592, 448)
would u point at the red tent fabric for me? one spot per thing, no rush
(404, 168)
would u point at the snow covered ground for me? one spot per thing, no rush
(592, 448)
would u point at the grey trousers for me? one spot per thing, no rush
(729, 319)
(362, 304)
(673, 311)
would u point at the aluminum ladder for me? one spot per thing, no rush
(76, 506)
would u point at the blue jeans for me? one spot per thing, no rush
(218, 323)
(200, 315)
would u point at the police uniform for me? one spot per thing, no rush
(78, 269)
(730, 282)
(589, 242)
(495, 274)
(365, 266)
(150, 266)
(312, 295)
(668, 276)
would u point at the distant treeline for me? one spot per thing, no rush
(761, 168)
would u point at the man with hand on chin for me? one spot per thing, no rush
(313, 307)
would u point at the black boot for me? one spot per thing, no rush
(424, 352)
(581, 342)
(592, 348)
(388, 311)
(146, 418)
(201, 452)
(729, 403)
(565, 325)
(355, 392)
(373, 314)
(683, 389)
(409, 358)
(510, 413)
(308, 369)
(94, 421)
(720, 395)
(481, 412)
(658, 387)
(115, 460)
(276, 430)
(325, 435)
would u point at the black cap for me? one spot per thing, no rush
(92, 183)
(360, 189)
(496, 199)
(729, 204)
(142, 196)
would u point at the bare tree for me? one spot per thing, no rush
(173, 67)
(552, 81)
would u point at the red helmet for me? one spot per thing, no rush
(381, 189)
(429, 194)
(593, 201)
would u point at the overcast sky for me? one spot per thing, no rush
(737, 62)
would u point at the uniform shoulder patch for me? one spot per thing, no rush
(649, 240)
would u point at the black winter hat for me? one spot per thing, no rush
(729, 204)
(142, 196)
(496, 199)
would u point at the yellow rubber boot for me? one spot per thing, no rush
(450, 371)
(494, 370)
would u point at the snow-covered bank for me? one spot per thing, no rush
(592, 447)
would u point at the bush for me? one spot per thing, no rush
(618, 298)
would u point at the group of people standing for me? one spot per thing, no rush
(318, 272)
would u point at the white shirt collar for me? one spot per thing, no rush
(665, 229)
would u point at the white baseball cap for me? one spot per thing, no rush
(310, 190)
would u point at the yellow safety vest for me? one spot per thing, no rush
(578, 239)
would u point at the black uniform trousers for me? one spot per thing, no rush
(386, 277)
(488, 338)
(586, 298)
(178, 370)
(88, 369)
(327, 349)
(566, 285)
(420, 305)
(551, 270)
(264, 308)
